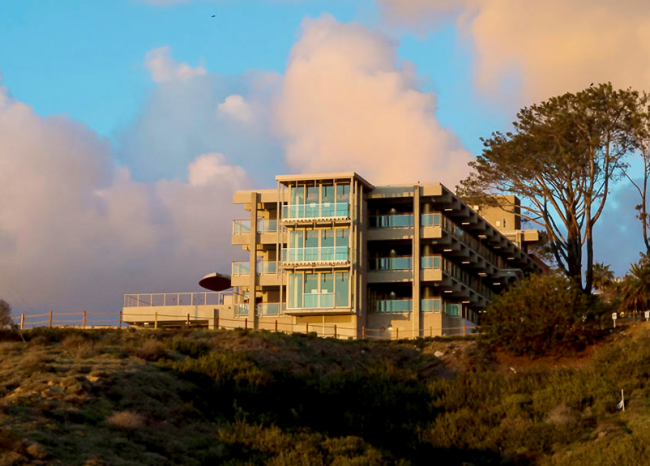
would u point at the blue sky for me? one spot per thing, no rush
(85, 59)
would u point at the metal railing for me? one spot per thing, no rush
(392, 221)
(334, 253)
(325, 210)
(430, 220)
(174, 299)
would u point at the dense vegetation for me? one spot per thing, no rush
(110, 397)
(544, 314)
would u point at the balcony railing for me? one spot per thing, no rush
(241, 227)
(306, 211)
(392, 221)
(318, 300)
(241, 309)
(270, 309)
(430, 220)
(430, 262)
(392, 263)
(430, 305)
(263, 267)
(173, 299)
(334, 253)
(393, 305)
(267, 226)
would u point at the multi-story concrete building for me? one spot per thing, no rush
(334, 254)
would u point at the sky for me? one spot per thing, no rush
(127, 125)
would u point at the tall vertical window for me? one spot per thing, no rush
(342, 287)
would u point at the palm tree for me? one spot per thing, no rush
(602, 277)
(636, 287)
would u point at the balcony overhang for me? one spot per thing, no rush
(314, 264)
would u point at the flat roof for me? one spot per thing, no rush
(324, 176)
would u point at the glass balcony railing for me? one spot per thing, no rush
(270, 309)
(318, 300)
(392, 221)
(430, 262)
(393, 305)
(392, 263)
(267, 226)
(326, 210)
(430, 220)
(240, 227)
(430, 304)
(267, 267)
(335, 253)
(241, 309)
(263, 267)
(241, 268)
(452, 309)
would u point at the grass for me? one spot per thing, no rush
(234, 397)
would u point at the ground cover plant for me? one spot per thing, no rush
(235, 397)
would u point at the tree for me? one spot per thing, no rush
(5, 314)
(641, 185)
(603, 277)
(542, 314)
(560, 160)
(635, 289)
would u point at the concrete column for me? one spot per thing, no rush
(415, 316)
(252, 287)
(362, 223)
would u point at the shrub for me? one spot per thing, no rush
(127, 420)
(543, 314)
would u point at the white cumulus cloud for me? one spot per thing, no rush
(164, 68)
(348, 103)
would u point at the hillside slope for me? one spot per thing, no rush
(230, 397)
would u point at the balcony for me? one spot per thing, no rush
(393, 305)
(314, 257)
(391, 227)
(308, 213)
(270, 309)
(430, 304)
(266, 270)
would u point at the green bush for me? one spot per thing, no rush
(543, 314)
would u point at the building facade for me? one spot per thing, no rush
(338, 256)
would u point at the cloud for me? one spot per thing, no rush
(76, 231)
(164, 68)
(528, 51)
(236, 107)
(349, 103)
(207, 113)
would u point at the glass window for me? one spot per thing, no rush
(328, 194)
(311, 283)
(342, 289)
(342, 237)
(311, 239)
(327, 238)
(295, 290)
(343, 193)
(297, 195)
(312, 195)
